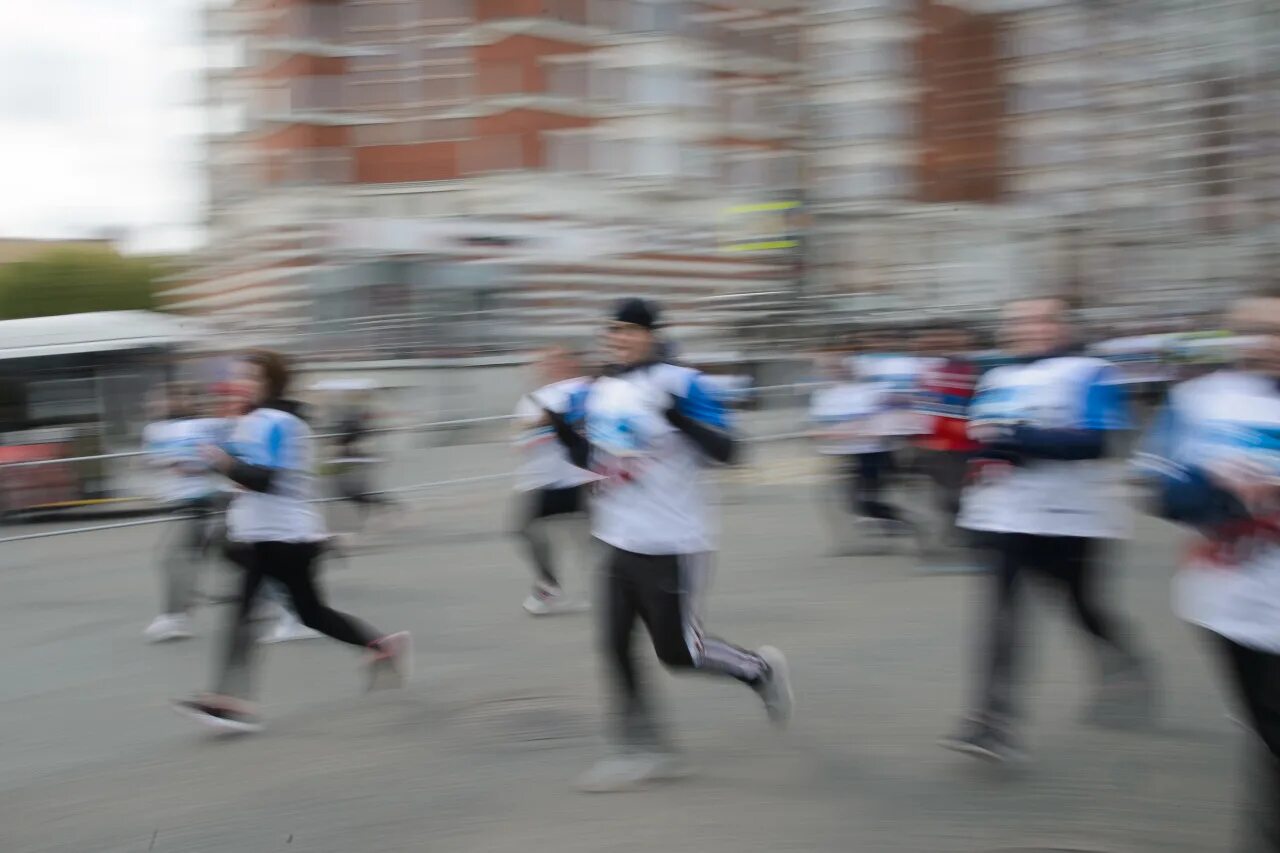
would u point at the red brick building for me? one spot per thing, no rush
(622, 129)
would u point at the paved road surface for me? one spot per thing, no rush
(478, 754)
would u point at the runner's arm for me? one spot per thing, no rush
(255, 478)
(701, 417)
(574, 442)
(1105, 410)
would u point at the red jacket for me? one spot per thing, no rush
(946, 389)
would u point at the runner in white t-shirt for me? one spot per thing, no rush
(1045, 500)
(848, 425)
(185, 483)
(550, 487)
(1213, 457)
(651, 428)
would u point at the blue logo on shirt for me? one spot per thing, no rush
(615, 434)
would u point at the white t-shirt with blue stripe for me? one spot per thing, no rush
(652, 498)
(1050, 497)
(281, 441)
(1229, 586)
(545, 463)
(174, 448)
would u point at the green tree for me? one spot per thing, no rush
(75, 280)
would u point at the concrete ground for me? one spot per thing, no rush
(479, 753)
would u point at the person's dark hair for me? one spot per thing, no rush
(275, 368)
(639, 312)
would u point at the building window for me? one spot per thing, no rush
(319, 92)
(841, 61)
(375, 15)
(697, 162)
(572, 11)
(227, 119)
(1049, 153)
(653, 158)
(653, 87)
(744, 107)
(319, 21)
(606, 14)
(568, 80)
(435, 10)
(651, 16)
(1044, 98)
(568, 151)
(606, 84)
(865, 183)
(745, 172)
(274, 98)
(226, 54)
(695, 91)
(865, 121)
(1042, 38)
(378, 134)
(865, 6)
(782, 172)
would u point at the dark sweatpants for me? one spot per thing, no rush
(1255, 677)
(664, 593)
(293, 566)
(1071, 563)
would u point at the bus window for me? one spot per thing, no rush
(62, 401)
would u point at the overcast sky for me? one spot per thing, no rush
(98, 120)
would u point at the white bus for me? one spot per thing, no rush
(76, 386)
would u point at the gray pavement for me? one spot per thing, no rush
(478, 754)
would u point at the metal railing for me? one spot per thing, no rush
(139, 522)
(396, 490)
(427, 426)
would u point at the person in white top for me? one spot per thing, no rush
(269, 458)
(847, 425)
(1045, 499)
(886, 363)
(188, 486)
(1213, 456)
(651, 427)
(550, 487)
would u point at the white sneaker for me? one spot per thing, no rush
(775, 690)
(670, 766)
(624, 772)
(287, 629)
(221, 719)
(267, 610)
(169, 626)
(544, 601)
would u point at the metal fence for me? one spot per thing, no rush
(781, 401)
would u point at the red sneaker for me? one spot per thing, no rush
(390, 662)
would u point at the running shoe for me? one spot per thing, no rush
(775, 687)
(621, 772)
(169, 626)
(983, 740)
(287, 629)
(669, 766)
(218, 717)
(551, 601)
(390, 663)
